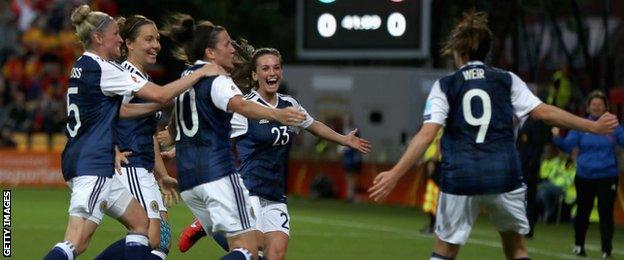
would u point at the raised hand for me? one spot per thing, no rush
(383, 184)
(211, 69)
(121, 157)
(169, 189)
(357, 143)
(164, 138)
(605, 124)
(169, 154)
(290, 116)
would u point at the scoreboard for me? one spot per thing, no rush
(363, 29)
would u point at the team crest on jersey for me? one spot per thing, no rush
(134, 78)
(154, 206)
(103, 205)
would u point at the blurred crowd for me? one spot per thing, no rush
(37, 49)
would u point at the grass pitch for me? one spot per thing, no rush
(322, 229)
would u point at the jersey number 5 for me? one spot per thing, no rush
(279, 134)
(72, 108)
(482, 122)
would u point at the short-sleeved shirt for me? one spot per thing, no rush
(477, 105)
(93, 98)
(203, 124)
(136, 134)
(263, 146)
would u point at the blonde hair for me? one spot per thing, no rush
(87, 22)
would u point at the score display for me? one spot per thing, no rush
(363, 29)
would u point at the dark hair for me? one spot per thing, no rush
(129, 29)
(242, 64)
(597, 94)
(192, 38)
(471, 37)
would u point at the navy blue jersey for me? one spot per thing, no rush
(92, 108)
(203, 151)
(136, 134)
(263, 146)
(478, 104)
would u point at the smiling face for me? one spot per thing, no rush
(223, 52)
(597, 107)
(268, 73)
(109, 41)
(145, 47)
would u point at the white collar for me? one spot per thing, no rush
(136, 70)
(266, 102)
(472, 63)
(92, 55)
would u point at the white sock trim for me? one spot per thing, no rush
(162, 255)
(248, 255)
(137, 238)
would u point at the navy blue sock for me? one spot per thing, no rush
(238, 254)
(222, 241)
(137, 247)
(436, 256)
(61, 251)
(56, 254)
(116, 250)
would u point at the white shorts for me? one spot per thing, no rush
(143, 186)
(91, 196)
(222, 206)
(271, 216)
(456, 214)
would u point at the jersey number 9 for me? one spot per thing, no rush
(482, 122)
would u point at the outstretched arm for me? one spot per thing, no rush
(250, 109)
(385, 182)
(130, 110)
(321, 130)
(558, 117)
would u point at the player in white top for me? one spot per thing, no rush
(480, 165)
(94, 94)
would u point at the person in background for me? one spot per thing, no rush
(557, 173)
(351, 161)
(596, 174)
(432, 159)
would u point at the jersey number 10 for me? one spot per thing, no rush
(482, 122)
(189, 132)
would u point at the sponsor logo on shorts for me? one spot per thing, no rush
(103, 205)
(154, 206)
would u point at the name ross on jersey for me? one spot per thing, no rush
(76, 73)
(474, 74)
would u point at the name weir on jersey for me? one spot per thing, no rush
(476, 73)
